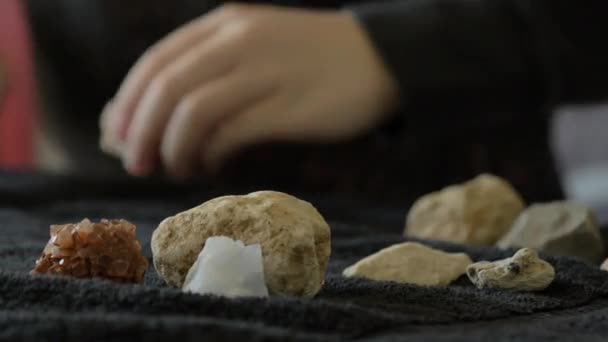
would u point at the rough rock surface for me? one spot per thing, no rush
(524, 271)
(412, 263)
(477, 212)
(558, 228)
(108, 249)
(295, 239)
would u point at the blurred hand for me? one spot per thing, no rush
(244, 75)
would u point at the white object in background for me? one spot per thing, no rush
(226, 267)
(579, 145)
(589, 185)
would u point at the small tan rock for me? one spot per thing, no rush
(294, 237)
(557, 228)
(524, 271)
(477, 212)
(412, 263)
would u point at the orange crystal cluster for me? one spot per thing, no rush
(108, 249)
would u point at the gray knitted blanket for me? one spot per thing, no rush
(39, 308)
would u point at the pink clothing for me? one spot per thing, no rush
(18, 107)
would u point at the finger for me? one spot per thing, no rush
(109, 141)
(151, 62)
(155, 59)
(254, 126)
(198, 113)
(206, 62)
(105, 117)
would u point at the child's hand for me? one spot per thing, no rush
(244, 75)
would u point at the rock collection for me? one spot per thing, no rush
(108, 249)
(477, 212)
(294, 237)
(558, 228)
(487, 210)
(271, 243)
(414, 263)
(411, 263)
(524, 271)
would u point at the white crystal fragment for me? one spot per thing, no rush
(226, 267)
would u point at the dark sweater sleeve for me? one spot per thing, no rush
(480, 56)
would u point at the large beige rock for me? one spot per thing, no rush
(524, 271)
(294, 237)
(558, 228)
(477, 212)
(411, 263)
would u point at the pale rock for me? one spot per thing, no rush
(524, 271)
(477, 212)
(227, 268)
(604, 266)
(557, 228)
(294, 237)
(412, 263)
